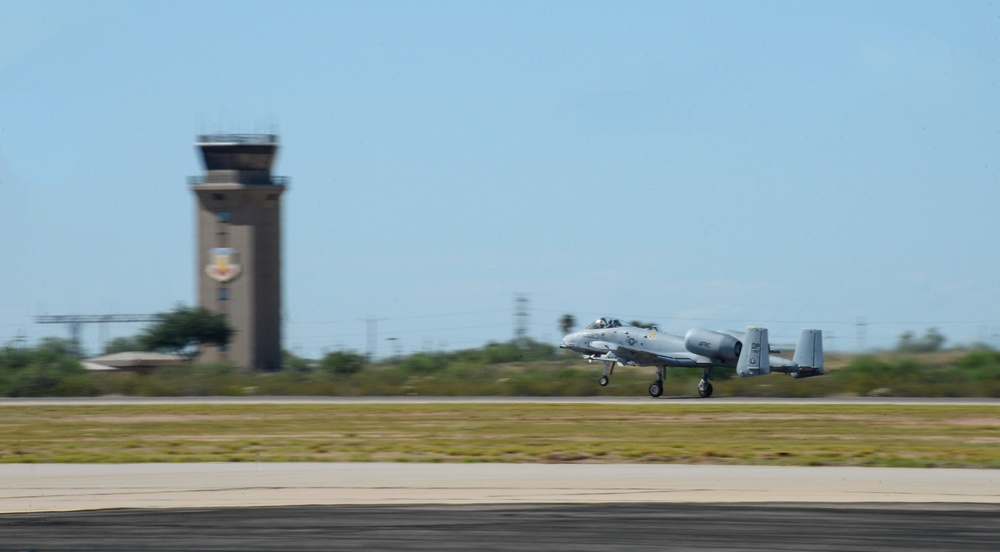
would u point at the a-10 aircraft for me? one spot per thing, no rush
(612, 342)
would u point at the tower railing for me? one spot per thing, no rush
(274, 180)
(237, 138)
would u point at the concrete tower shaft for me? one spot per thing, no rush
(238, 259)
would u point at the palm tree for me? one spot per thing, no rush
(566, 323)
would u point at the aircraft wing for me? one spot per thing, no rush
(691, 359)
(680, 358)
(684, 359)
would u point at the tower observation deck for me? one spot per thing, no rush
(238, 259)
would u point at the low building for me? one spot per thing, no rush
(138, 362)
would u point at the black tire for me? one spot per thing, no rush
(603, 381)
(656, 389)
(704, 389)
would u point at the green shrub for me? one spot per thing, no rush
(423, 363)
(342, 363)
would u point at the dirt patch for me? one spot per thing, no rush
(172, 418)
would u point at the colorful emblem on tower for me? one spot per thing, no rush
(223, 264)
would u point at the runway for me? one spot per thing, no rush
(557, 528)
(559, 507)
(494, 507)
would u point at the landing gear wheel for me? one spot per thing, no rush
(656, 389)
(603, 381)
(704, 389)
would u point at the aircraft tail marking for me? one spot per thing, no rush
(754, 360)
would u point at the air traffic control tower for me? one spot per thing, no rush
(238, 258)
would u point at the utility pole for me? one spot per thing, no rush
(20, 340)
(521, 319)
(396, 350)
(862, 338)
(372, 325)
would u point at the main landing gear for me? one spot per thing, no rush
(705, 388)
(656, 388)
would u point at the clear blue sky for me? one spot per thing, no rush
(714, 164)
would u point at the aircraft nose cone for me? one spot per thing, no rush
(573, 342)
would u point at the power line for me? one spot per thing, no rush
(75, 323)
(389, 319)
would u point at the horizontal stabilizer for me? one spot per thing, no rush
(754, 359)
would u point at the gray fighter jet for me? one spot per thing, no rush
(613, 342)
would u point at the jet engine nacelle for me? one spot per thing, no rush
(712, 344)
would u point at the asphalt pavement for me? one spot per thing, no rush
(567, 527)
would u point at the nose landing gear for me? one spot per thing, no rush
(609, 368)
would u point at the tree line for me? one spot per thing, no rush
(514, 368)
(517, 367)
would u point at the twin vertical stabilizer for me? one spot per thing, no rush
(754, 358)
(809, 354)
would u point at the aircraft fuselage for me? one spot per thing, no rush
(612, 342)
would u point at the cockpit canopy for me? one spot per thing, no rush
(602, 323)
